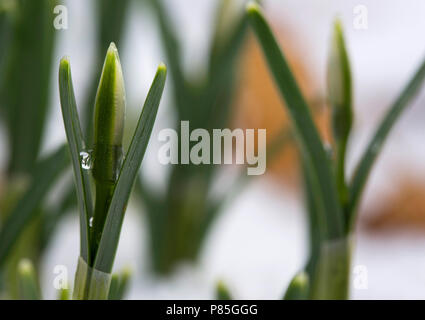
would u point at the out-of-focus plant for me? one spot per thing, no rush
(180, 217)
(222, 292)
(27, 39)
(298, 289)
(28, 283)
(27, 42)
(100, 223)
(28, 50)
(331, 199)
(22, 213)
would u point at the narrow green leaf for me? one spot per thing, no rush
(364, 166)
(340, 99)
(304, 127)
(28, 284)
(82, 276)
(339, 84)
(45, 173)
(315, 227)
(172, 49)
(6, 12)
(298, 289)
(25, 81)
(76, 146)
(111, 232)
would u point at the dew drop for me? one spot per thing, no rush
(91, 222)
(86, 160)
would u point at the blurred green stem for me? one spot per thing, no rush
(332, 273)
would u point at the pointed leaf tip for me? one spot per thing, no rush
(110, 101)
(64, 63)
(162, 67)
(252, 8)
(112, 46)
(64, 60)
(339, 84)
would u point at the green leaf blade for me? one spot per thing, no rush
(340, 100)
(27, 68)
(306, 132)
(172, 48)
(364, 166)
(76, 146)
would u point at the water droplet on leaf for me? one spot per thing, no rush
(86, 160)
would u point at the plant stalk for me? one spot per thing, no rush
(332, 274)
